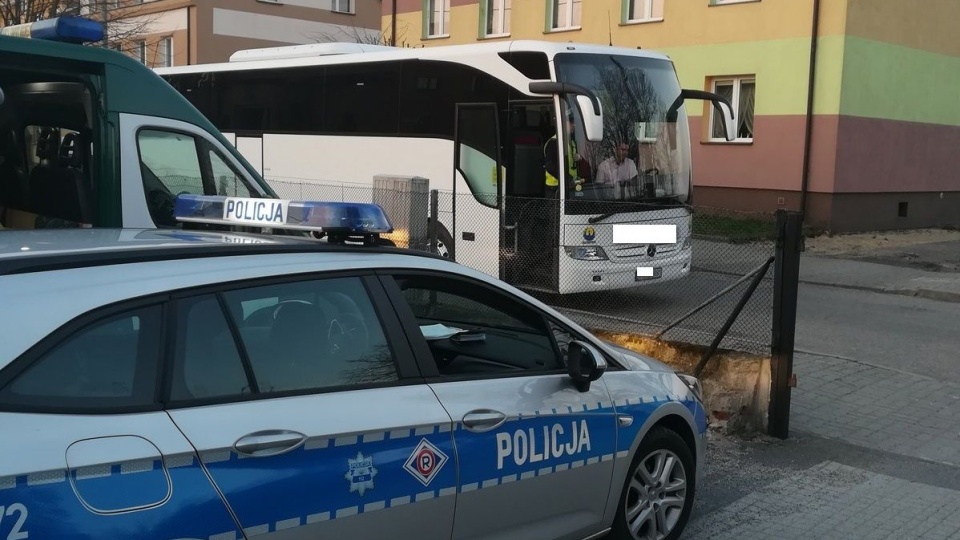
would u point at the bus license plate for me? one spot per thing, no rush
(648, 272)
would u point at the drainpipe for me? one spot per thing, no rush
(393, 25)
(805, 177)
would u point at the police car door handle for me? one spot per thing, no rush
(270, 442)
(483, 420)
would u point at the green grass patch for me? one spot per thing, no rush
(734, 229)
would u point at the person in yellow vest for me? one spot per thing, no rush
(551, 161)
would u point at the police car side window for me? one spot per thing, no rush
(313, 334)
(207, 363)
(515, 338)
(110, 363)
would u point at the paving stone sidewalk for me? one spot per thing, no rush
(876, 407)
(832, 500)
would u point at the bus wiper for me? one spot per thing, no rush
(601, 217)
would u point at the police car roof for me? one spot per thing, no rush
(38, 250)
(54, 276)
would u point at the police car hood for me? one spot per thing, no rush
(636, 361)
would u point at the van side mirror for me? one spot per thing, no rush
(587, 102)
(585, 364)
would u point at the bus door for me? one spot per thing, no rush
(530, 233)
(476, 198)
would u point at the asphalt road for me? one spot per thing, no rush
(909, 334)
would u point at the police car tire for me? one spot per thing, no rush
(659, 438)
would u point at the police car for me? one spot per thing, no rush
(213, 384)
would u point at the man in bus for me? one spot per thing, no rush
(618, 169)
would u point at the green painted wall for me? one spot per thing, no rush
(894, 82)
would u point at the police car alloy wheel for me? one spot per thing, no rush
(658, 493)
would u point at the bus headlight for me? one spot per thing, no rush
(586, 253)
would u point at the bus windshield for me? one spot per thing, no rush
(644, 157)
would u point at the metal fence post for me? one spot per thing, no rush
(434, 219)
(785, 283)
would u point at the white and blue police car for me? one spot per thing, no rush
(214, 384)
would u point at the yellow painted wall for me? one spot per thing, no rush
(685, 23)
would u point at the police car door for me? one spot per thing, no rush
(306, 408)
(534, 452)
(87, 450)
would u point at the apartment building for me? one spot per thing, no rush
(181, 32)
(877, 146)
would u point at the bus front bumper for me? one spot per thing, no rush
(584, 276)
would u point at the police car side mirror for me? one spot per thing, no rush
(585, 364)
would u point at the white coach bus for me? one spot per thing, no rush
(477, 121)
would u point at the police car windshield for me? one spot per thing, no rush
(644, 157)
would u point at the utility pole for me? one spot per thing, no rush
(393, 25)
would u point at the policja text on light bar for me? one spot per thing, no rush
(318, 216)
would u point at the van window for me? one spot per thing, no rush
(47, 146)
(174, 163)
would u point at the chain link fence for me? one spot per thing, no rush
(578, 269)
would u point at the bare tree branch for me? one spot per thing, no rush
(124, 20)
(365, 36)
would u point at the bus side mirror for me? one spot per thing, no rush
(1, 96)
(592, 123)
(587, 103)
(729, 124)
(722, 103)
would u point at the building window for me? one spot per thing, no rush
(741, 91)
(564, 14)
(642, 10)
(436, 18)
(141, 51)
(343, 6)
(165, 52)
(497, 18)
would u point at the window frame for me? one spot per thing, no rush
(166, 45)
(338, 3)
(39, 350)
(490, 12)
(408, 372)
(421, 348)
(553, 6)
(429, 9)
(648, 17)
(729, 2)
(736, 81)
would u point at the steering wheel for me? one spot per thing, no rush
(653, 170)
(348, 332)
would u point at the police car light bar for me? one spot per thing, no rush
(335, 218)
(64, 29)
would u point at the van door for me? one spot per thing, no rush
(163, 158)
